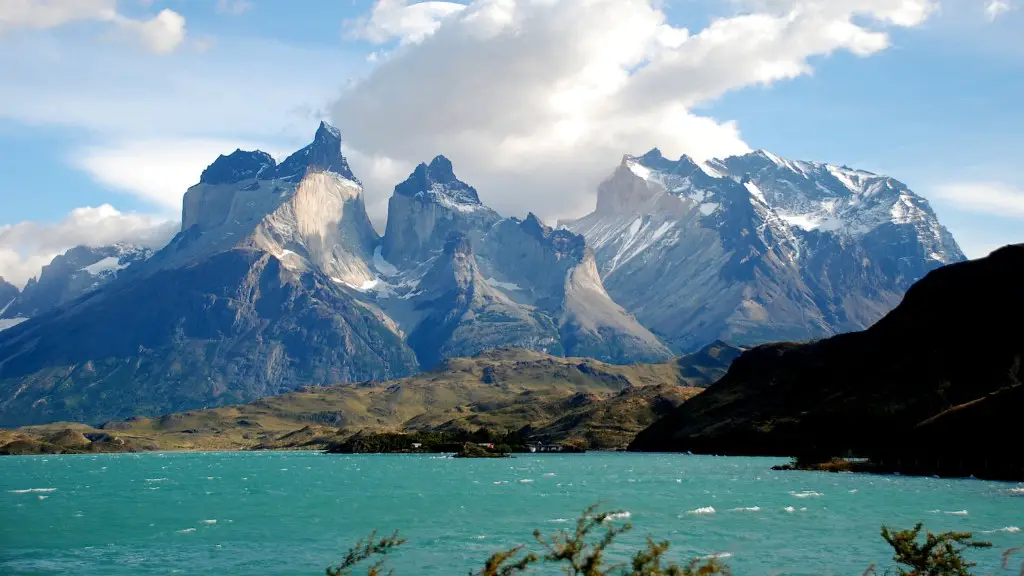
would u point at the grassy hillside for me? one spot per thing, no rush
(559, 399)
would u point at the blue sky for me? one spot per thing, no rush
(122, 103)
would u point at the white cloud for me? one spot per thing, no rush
(158, 171)
(41, 14)
(160, 34)
(26, 246)
(398, 19)
(535, 116)
(996, 8)
(234, 7)
(989, 198)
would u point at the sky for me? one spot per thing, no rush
(110, 109)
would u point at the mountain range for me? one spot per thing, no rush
(278, 279)
(756, 248)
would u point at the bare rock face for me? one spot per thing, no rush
(756, 248)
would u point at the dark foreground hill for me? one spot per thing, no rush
(933, 387)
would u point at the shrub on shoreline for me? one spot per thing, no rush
(582, 552)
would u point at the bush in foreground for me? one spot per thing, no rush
(583, 553)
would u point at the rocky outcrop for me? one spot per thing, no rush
(930, 382)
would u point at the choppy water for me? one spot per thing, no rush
(290, 513)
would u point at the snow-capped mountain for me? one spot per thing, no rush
(458, 279)
(78, 271)
(757, 248)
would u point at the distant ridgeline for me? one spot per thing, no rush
(935, 387)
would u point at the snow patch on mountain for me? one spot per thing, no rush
(503, 285)
(381, 265)
(105, 266)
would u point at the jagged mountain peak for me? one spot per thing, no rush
(441, 169)
(238, 166)
(323, 154)
(436, 182)
(563, 242)
(327, 134)
(425, 208)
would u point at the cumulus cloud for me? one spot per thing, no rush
(160, 34)
(26, 246)
(535, 116)
(989, 198)
(398, 19)
(996, 8)
(158, 171)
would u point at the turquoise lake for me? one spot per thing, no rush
(292, 513)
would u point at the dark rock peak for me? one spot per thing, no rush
(458, 242)
(235, 167)
(438, 177)
(327, 135)
(656, 161)
(8, 292)
(323, 154)
(562, 241)
(441, 169)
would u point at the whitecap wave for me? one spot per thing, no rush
(618, 516)
(525, 481)
(41, 497)
(32, 490)
(806, 494)
(208, 521)
(789, 509)
(951, 512)
(703, 511)
(549, 475)
(186, 531)
(1008, 530)
(559, 521)
(717, 556)
(156, 479)
(750, 509)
